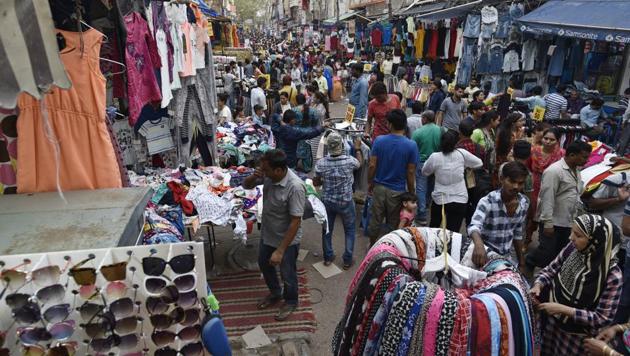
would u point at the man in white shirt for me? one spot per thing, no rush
(322, 83)
(258, 94)
(296, 76)
(414, 121)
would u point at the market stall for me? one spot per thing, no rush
(412, 295)
(114, 300)
(99, 94)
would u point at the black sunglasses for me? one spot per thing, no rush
(155, 266)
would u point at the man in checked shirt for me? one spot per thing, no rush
(336, 172)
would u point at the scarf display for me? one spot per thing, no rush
(392, 308)
(582, 277)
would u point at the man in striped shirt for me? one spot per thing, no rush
(556, 104)
(499, 219)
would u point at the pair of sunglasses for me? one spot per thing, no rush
(34, 335)
(14, 279)
(85, 276)
(124, 342)
(176, 316)
(161, 304)
(155, 266)
(194, 349)
(63, 349)
(56, 313)
(27, 314)
(108, 323)
(161, 338)
(184, 283)
(48, 295)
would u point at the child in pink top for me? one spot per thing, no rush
(408, 209)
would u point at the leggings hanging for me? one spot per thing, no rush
(200, 141)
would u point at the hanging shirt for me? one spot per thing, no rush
(200, 37)
(419, 43)
(387, 34)
(142, 59)
(158, 135)
(189, 68)
(411, 26)
(124, 136)
(433, 45)
(176, 14)
(376, 37)
(165, 82)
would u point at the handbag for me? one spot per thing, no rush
(469, 175)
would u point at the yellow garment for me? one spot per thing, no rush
(419, 43)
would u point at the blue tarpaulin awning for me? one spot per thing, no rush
(600, 20)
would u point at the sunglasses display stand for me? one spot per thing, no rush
(104, 277)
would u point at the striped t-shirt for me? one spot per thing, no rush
(555, 103)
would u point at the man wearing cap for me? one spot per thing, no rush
(336, 173)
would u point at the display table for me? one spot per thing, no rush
(42, 222)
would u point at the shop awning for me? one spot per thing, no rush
(347, 16)
(419, 9)
(602, 20)
(450, 12)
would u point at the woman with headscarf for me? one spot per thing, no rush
(581, 287)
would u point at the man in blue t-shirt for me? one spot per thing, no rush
(392, 172)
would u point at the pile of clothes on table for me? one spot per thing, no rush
(193, 197)
(243, 144)
(188, 198)
(604, 169)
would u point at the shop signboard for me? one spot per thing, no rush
(581, 33)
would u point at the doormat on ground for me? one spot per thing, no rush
(239, 294)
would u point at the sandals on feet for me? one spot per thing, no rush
(268, 301)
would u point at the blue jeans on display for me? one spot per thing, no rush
(472, 28)
(496, 60)
(483, 65)
(348, 217)
(288, 272)
(503, 28)
(424, 188)
(468, 54)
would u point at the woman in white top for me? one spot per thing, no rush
(450, 191)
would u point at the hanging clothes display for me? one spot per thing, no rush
(142, 59)
(64, 142)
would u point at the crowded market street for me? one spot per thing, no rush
(315, 177)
